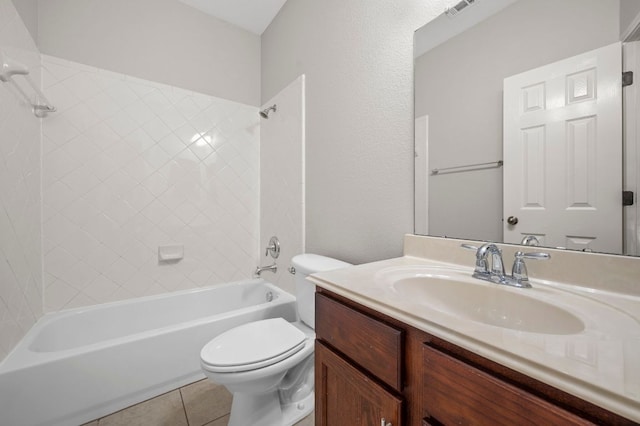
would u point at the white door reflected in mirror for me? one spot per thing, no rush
(563, 152)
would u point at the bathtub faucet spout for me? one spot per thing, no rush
(260, 269)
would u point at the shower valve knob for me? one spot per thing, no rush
(273, 248)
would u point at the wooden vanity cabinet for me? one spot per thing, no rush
(457, 393)
(347, 396)
(357, 367)
(370, 366)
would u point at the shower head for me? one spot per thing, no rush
(265, 112)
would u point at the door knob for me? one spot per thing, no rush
(512, 220)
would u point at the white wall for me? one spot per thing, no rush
(357, 56)
(629, 10)
(158, 40)
(20, 205)
(282, 180)
(28, 11)
(130, 165)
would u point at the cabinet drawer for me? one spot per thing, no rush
(372, 344)
(457, 393)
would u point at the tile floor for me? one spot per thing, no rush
(201, 403)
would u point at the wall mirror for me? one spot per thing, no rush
(520, 125)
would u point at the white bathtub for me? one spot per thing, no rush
(77, 365)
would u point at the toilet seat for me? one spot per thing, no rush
(251, 346)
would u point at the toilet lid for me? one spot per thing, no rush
(253, 345)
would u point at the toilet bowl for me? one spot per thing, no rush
(255, 382)
(268, 365)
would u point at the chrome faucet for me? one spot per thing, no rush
(490, 267)
(260, 269)
(530, 240)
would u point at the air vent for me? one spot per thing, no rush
(453, 11)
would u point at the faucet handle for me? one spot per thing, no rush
(519, 270)
(533, 256)
(469, 247)
(273, 248)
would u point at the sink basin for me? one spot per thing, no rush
(454, 292)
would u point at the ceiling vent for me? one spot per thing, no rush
(451, 12)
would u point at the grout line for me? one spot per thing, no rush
(218, 418)
(184, 407)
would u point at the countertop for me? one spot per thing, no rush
(600, 364)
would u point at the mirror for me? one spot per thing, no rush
(464, 161)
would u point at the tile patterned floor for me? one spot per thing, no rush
(201, 403)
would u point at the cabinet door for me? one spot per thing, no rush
(347, 397)
(457, 393)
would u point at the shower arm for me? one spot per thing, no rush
(265, 112)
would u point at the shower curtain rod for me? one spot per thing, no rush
(10, 68)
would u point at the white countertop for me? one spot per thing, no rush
(600, 364)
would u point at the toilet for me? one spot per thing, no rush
(268, 365)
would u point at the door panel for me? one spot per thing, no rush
(563, 152)
(347, 397)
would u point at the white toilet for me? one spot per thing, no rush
(268, 365)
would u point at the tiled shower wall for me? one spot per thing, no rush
(282, 180)
(20, 205)
(130, 165)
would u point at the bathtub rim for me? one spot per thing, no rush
(22, 356)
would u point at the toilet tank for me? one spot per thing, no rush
(305, 265)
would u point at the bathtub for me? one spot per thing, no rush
(81, 364)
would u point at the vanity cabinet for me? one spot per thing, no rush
(370, 366)
(346, 396)
(357, 367)
(457, 393)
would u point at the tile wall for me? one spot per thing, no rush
(282, 180)
(20, 205)
(130, 165)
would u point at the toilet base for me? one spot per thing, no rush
(296, 411)
(266, 410)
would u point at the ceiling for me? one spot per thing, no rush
(444, 27)
(251, 15)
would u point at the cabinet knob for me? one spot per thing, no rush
(383, 422)
(512, 220)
